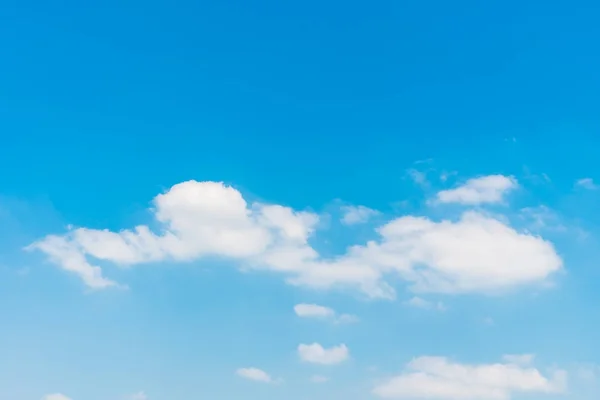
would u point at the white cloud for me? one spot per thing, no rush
(316, 354)
(56, 396)
(198, 218)
(476, 253)
(313, 311)
(319, 379)
(66, 253)
(486, 189)
(438, 378)
(357, 214)
(254, 374)
(587, 183)
(419, 302)
(321, 312)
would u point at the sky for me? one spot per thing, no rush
(314, 200)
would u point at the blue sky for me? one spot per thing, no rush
(334, 200)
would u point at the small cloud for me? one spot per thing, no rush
(418, 177)
(487, 189)
(319, 379)
(489, 321)
(353, 215)
(317, 354)
(445, 175)
(138, 396)
(322, 312)
(254, 374)
(418, 302)
(587, 183)
(55, 396)
(313, 311)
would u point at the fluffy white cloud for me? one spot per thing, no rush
(486, 189)
(587, 183)
(317, 354)
(357, 214)
(254, 374)
(438, 378)
(476, 253)
(419, 302)
(321, 312)
(56, 396)
(198, 219)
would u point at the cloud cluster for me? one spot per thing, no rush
(55, 396)
(476, 253)
(437, 378)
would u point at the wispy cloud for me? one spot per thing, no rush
(418, 302)
(418, 177)
(587, 183)
(353, 215)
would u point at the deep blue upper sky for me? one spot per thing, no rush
(111, 93)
